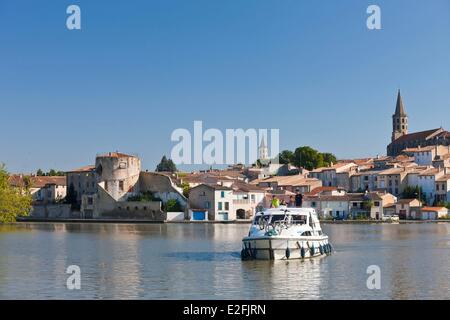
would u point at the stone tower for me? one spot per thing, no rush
(399, 119)
(263, 152)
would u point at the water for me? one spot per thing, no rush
(202, 261)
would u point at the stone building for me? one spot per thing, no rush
(118, 174)
(81, 181)
(116, 188)
(402, 140)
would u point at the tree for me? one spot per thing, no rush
(186, 189)
(415, 192)
(286, 157)
(14, 201)
(173, 205)
(308, 158)
(166, 165)
(71, 196)
(329, 158)
(443, 204)
(367, 204)
(51, 173)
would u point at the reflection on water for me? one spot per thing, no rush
(202, 261)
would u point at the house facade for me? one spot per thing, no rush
(82, 181)
(408, 208)
(392, 180)
(424, 156)
(433, 213)
(211, 202)
(427, 182)
(443, 189)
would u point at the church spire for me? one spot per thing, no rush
(263, 150)
(399, 119)
(399, 109)
(263, 143)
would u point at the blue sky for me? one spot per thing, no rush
(138, 70)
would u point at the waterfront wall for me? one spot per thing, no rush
(54, 211)
(108, 208)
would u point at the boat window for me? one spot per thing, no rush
(299, 219)
(306, 233)
(258, 218)
(278, 217)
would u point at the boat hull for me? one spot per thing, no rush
(283, 248)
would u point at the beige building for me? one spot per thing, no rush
(43, 189)
(337, 175)
(364, 181)
(443, 189)
(247, 199)
(442, 162)
(408, 208)
(211, 202)
(295, 183)
(81, 181)
(393, 180)
(433, 213)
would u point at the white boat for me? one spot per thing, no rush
(285, 233)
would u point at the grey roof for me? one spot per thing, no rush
(399, 109)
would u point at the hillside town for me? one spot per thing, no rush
(412, 182)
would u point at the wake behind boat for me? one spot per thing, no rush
(285, 233)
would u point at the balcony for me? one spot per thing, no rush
(244, 201)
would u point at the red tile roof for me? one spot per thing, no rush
(318, 190)
(433, 208)
(115, 155)
(83, 169)
(37, 181)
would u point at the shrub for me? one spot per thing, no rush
(173, 205)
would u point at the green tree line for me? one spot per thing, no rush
(14, 201)
(51, 173)
(307, 157)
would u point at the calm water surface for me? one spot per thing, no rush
(202, 261)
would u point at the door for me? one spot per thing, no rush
(198, 215)
(222, 216)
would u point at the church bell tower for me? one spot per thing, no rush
(399, 119)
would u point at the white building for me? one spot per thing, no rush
(427, 181)
(247, 199)
(424, 156)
